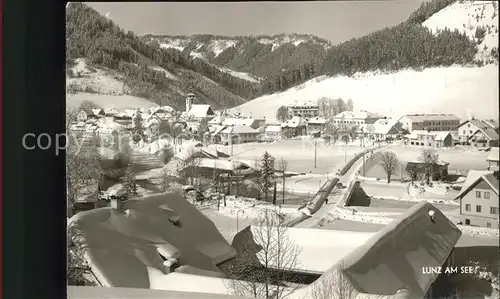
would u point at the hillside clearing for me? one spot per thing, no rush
(119, 102)
(460, 90)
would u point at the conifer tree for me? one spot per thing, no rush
(266, 178)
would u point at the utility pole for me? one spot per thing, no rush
(315, 153)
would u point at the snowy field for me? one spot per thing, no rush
(446, 89)
(460, 158)
(119, 102)
(298, 153)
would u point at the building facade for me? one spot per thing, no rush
(348, 119)
(471, 126)
(479, 205)
(316, 124)
(431, 139)
(239, 134)
(307, 111)
(430, 122)
(484, 138)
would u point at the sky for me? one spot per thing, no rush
(336, 21)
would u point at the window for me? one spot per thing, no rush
(478, 209)
(478, 194)
(486, 195)
(467, 207)
(494, 210)
(467, 221)
(468, 125)
(488, 224)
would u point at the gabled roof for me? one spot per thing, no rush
(393, 258)
(239, 130)
(383, 126)
(353, 115)
(98, 111)
(493, 155)
(295, 122)
(317, 120)
(437, 135)
(135, 235)
(201, 111)
(480, 123)
(474, 177)
(489, 133)
(216, 120)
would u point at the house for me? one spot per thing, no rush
(249, 122)
(431, 139)
(273, 132)
(316, 124)
(383, 129)
(205, 167)
(152, 127)
(123, 118)
(479, 205)
(151, 238)
(398, 251)
(349, 119)
(418, 171)
(492, 159)
(307, 111)
(296, 126)
(83, 116)
(98, 112)
(110, 112)
(471, 126)
(483, 138)
(239, 134)
(198, 111)
(430, 122)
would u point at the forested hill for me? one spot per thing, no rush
(262, 56)
(228, 71)
(143, 67)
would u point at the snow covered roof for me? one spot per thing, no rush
(273, 129)
(383, 126)
(493, 155)
(353, 115)
(239, 130)
(294, 122)
(218, 129)
(83, 292)
(217, 164)
(393, 258)
(98, 112)
(472, 177)
(136, 236)
(216, 120)
(319, 248)
(110, 111)
(489, 133)
(437, 135)
(201, 111)
(484, 124)
(317, 120)
(431, 117)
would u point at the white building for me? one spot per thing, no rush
(239, 134)
(355, 118)
(471, 126)
(430, 122)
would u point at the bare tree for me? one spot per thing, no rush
(429, 159)
(282, 166)
(83, 169)
(389, 162)
(282, 114)
(79, 272)
(263, 266)
(335, 284)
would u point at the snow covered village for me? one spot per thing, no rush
(284, 166)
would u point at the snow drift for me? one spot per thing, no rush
(125, 247)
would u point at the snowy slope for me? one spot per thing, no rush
(467, 17)
(458, 90)
(241, 75)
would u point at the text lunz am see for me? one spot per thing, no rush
(440, 270)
